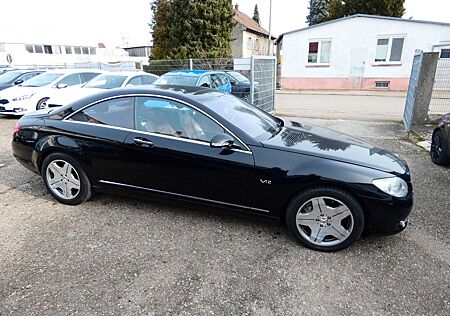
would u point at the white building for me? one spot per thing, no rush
(359, 52)
(46, 49)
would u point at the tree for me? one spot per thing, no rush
(340, 8)
(201, 28)
(318, 11)
(256, 14)
(160, 25)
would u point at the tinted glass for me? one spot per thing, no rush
(216, 81)
(397, 49)
(9, 76)
(204, 81)
(177, 80)
(135, 81)
(253, 121)
(117, 112)
(168, 117)
(238, 77)
(28, 76)
(148, 79)
(42, 80)
(71, 80)
(106, 82)
(85, 77)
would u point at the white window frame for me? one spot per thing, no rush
(319, 51)
(250, 43)
(390, 39)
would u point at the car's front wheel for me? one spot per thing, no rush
(42, 104)
(438, 155)
(65, 179)
(325, 218)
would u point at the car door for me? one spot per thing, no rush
(99, 132)
(170, 152)
(219, 82)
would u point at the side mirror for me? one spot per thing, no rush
(61, 85)
(18, 81)
(222, 141)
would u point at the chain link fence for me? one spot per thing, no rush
(440, 98)
(260, 71)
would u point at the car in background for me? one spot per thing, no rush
(16, 77)
(32, 94)
(103, 81)
(440, 142)
(202, 145)
(240, 85)
(200, 78)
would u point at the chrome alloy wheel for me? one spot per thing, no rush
(324, 221)
(63, 179)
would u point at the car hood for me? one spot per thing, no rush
(318, 141)
(66, 96)
(18, 91)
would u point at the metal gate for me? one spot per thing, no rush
(411, 96)
(440, 97)
(263, 72)
(260, 70)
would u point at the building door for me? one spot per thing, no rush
(357, 65)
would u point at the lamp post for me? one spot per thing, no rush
(270, 28)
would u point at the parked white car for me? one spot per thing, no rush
(32, 94)
(109, 80)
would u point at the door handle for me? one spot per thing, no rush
(143, 142)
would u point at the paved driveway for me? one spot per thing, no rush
(380, 107)
(118, 256)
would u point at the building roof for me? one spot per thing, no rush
(249, 23)
(379, 17)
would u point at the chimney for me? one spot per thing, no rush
(236, 6)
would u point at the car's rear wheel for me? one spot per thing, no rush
(65, 179)
(325, 218)
(42, 104)
(438, 154)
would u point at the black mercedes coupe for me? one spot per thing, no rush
(201, 145)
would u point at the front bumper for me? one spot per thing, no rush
(387, 216)
(17, 108)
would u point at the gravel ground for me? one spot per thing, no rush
(119, 256)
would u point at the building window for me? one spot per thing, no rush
(257, 44)
(77, 50)
(56, 49)
(250, 43)
(92, 51)
(85, 50)
(319, 52)
(445, 53)
(68, 49)
(38, 49)
(29, 48)
(382, 84)
(48, 49)
(389, 49)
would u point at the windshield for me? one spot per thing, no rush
(41, 80)
(178, 80)
(9, 76)
(251, 120)
(239, 77)
(106, 82)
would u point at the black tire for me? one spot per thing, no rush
(84, 192)
(246, 97)
(333, 195)
(39, 104)
(438, 149)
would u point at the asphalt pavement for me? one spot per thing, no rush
(120, 256)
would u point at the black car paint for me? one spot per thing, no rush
(258, 178)
(444, 126)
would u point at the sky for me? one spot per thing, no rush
(120, 22)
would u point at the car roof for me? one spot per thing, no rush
(70, 71)
(192, 73)
(129, 73)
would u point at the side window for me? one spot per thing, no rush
(28, 76)
(148, 79)
(71, 80)
(205, 81)
(85, 77)
(168, 117)
(135, 81)
(116, 112)
(218, 80)
(224, 80)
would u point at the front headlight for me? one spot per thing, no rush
(24, 97)
(394, 186)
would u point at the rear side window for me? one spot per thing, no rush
(148, 79)
(85, 77)
(136, 81)
(116, 112)
(71, 80)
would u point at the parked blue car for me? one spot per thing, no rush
(201, 78)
